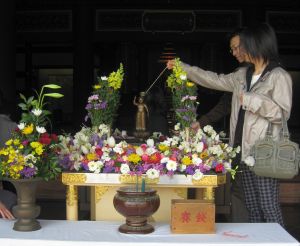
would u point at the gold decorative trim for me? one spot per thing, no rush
(210, 180)
(72, 178)
(100, 191)
(181, 192)
(131, 179)
(72, 195)
(209, 194)
(221, 179)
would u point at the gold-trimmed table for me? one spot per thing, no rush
(103, 188)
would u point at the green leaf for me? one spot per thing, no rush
(55, 95)
(52, 86)
(22, 97)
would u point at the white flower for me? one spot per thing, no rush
(124, 169)
(40, 129)
(182, 168)
(111, 142)
(150, 151)
(150, 142)
(95, 166)
(84, 149)
(152, 173)
(118, 149)
(29, 158)
(197, 175)
(164, 160)
(177, 127)
(37, 111)
(197, 161)
(199, 147)
(139, 151)
(183, 76)
(171, 165)
(250, 161)
(21, 126)
(227, 165)
(103, 78)
(208, 128)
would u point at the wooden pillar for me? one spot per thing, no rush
(8, 52)
(83, 16)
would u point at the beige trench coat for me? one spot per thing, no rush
(263, 103)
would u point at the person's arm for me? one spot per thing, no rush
(5, 213)
(222, 82)
(223, 108)
(270, 106)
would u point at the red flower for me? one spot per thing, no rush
(45, 139)
(155, 158)
(54, 137)
(162, 138)
(219, 168)
(99, 152)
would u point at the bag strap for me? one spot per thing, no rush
(285, 130)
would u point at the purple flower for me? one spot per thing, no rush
(190, 170)
(88, 106)
(84, 166)
(103, 105)
(28, 172)
(65, 162)
(97, 106)
(186, 118)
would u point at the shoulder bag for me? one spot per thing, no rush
(276, 159)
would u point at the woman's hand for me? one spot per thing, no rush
(5, 213)
(170, 64)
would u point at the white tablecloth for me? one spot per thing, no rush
(69, 233)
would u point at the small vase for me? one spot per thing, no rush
(26, 211)
(136, 207)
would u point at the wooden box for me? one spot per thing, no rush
(192, 216)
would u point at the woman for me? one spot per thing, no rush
(260, 92)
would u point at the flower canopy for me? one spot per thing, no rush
(31, 152)
(93, 151)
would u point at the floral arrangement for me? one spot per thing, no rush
(31, 152)
(184, 95)
(103, 103)
(93, 151)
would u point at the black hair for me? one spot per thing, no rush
(234, 33)
(260, 42)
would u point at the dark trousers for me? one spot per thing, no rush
(239, 212)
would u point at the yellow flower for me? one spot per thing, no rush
(28, 129)
(204, 155)
(39, 150)
(186, 160)
(9, 142)
(36, 145)
(91, 156)
(134, 158)
(96, 87)
(163, 147)
(189, 84)
(16, 142)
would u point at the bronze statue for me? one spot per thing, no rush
(141, 117)
(142, 109)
